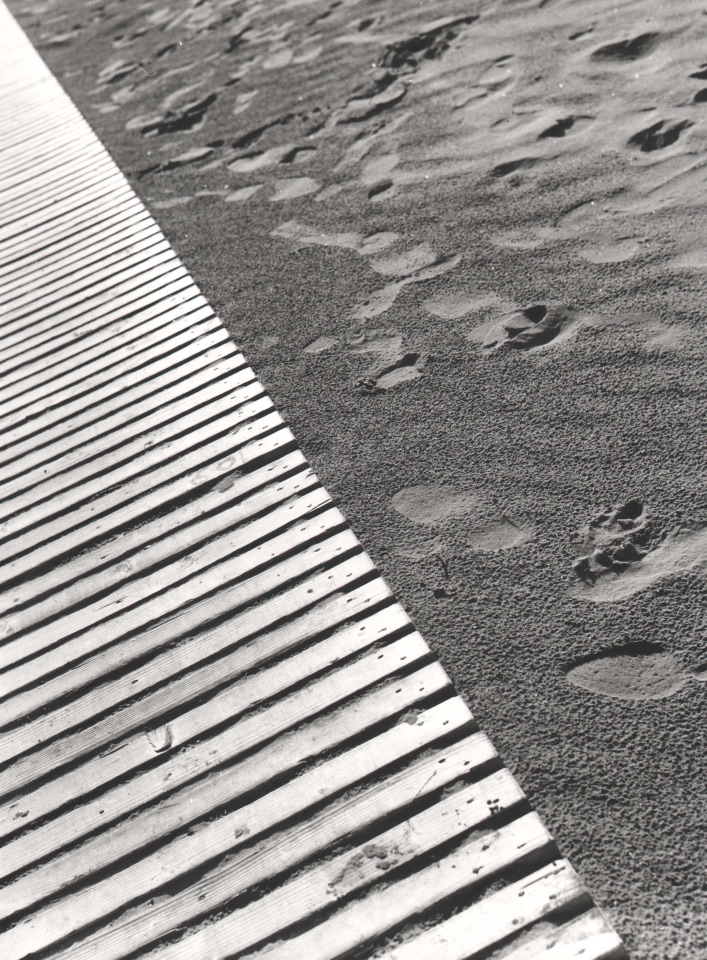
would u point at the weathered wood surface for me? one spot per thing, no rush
(220, 736)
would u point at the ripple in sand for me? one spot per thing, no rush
(260, 159)
(627, 50)
(633, 672)
(417, 548)
(383, 299)
(666, 339)
(659, 135)
(243, 102)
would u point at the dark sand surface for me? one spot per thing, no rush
(463, 245)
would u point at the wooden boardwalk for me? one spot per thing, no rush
(220, 735)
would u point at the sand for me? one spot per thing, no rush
(463, 246)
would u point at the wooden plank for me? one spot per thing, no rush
(277, 854)
(55, 187)
(176, 678)
(247, 867)
(51, 273)
(59, 254)
(138, 456)
(146, 627)
(184, 787)
(73, 153)
(35, 437)
(50, 169)
(359, 922)
(156, 424)
(231, 705)
(503, 914)
(206, 690)
(138, 292)
(67, 297)
(62, 213)
(76, 244)
(68, 226)
(35, 143)
(230, 531)
(166, 352)
(104, 303)
(211, 374)
(163, 536)
(78, 299)
(194, 467)
(587, 937)
(486, 854)
(34, 287)
(20, 205)
(74, 350)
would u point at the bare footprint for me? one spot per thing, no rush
(624, 51)
(533, 326)
(383, 299)
(293, 188)
(502, 534)
(626, 555)
(640, 671)
(659, 135)
(466, 519)
(321, 344)
(405, 368)
(430, 504)
(451, 306)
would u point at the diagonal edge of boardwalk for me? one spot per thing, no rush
(220, 734)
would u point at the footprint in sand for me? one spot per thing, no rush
(476, 523)
(625, 554)
(321, 344)
(640, 671)
(451, 306)
(293, 188)
(659, 135)
(243, 193)
(533, 326)
(408, 367)
(433, 503)
(193, 155)
(393, 365)
(383, 299)
(623, 51)
(364, 245)
(173, 119)
(565, 126)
